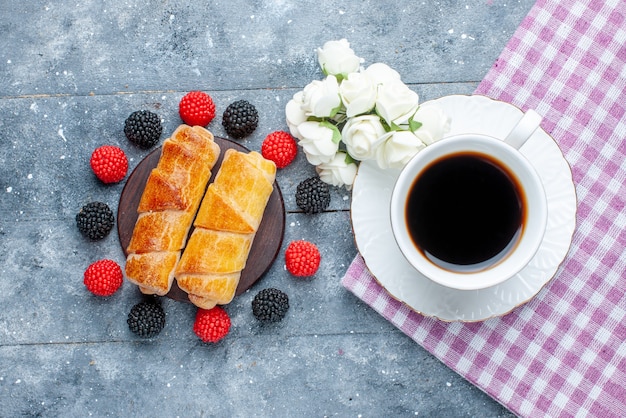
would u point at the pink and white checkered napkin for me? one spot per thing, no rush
(564, 352)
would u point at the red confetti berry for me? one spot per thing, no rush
(109, 163)
(196, 108)
(103, 277)
(211, 325)
(302, 258)
(279, 147)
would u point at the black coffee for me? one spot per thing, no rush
(465, 211)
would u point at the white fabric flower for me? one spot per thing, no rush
(337, 58)
(358, 94)
(294, 114)
(381, 73)
(396, 102)
(338, 172)
(321, 98)
(362, 135)
(381, 117)
(317, 142)
(435, 123)
(397, 149)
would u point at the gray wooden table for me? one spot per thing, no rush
(70, 73)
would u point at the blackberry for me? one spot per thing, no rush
(146, 319)
(270, 305)
(240, 119)
(312, 195)
(143, 128)
(95, 220)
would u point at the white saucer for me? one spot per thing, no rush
(372, 228)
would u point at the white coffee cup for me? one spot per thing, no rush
(473, 243)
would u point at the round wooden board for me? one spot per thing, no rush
(267, 241)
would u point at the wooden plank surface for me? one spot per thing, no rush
(70, 74)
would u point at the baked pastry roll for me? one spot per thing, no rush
(167, 207)
(224, 228)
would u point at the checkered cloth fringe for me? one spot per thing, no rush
(563, 353)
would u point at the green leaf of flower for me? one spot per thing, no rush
(336, 133)
(414, 125)
(336, 110)
(349, 159)
(383, 122)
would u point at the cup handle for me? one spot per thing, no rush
(524, 129)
